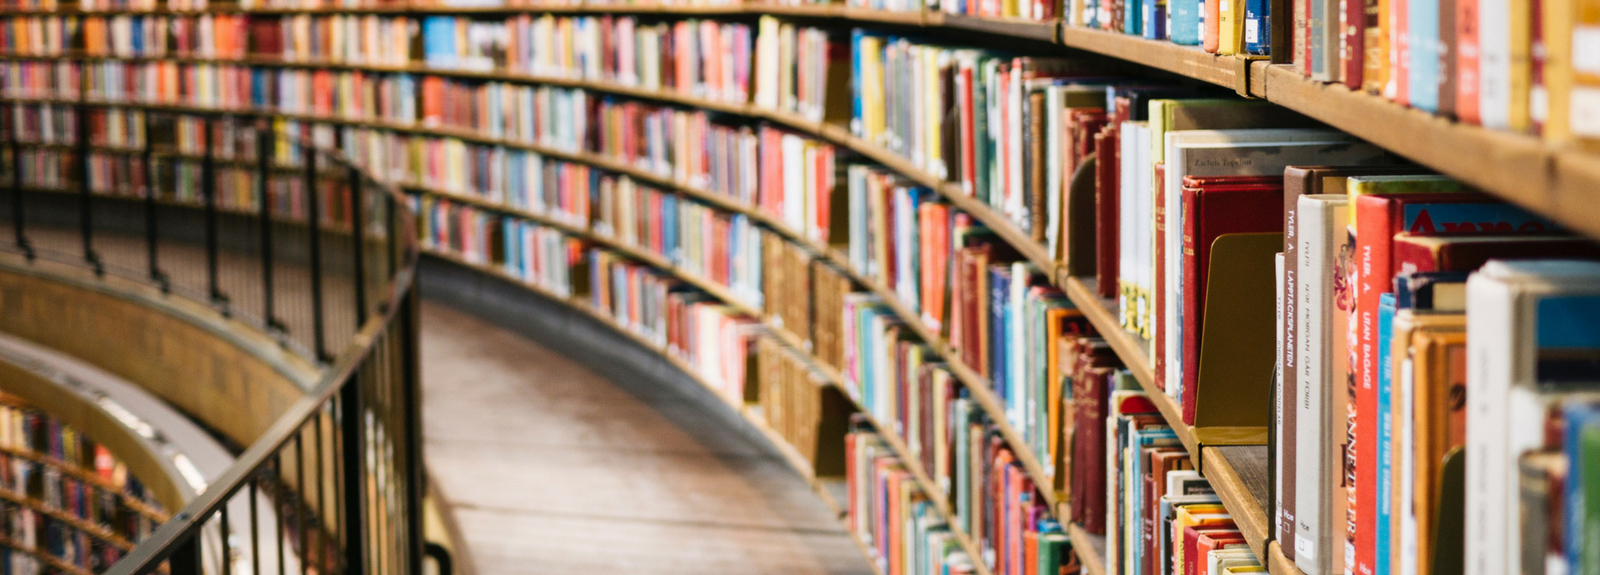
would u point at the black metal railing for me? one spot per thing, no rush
(258, 221)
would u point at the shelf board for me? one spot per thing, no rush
(1239, 475)
(1018, 28)
(1090, 549)
(1278, 564)
(1230, 72)
(1517, 167)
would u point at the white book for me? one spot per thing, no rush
(1511, 307)
(1232, 153)
(1144, 228)
(1125, 211)
(1278, 378)
(1494, 63)
(767, 63)
(1318, 376)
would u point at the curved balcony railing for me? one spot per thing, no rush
(283, 234)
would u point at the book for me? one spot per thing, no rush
(1508, 382)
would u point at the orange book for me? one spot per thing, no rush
(1213, 38)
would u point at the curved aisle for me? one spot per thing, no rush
(549, 467)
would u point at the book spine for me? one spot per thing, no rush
(1374, 224)
(1493, 63)
(1490, 486)
(1384, 486)
(1352, 41)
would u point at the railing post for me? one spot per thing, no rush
(353, 438)
(17, 217)
(411, 401)
(358, 238)
(185, 560)
(86, 193)
(314, 225)
(152, 236)
(264, 148)
(208, 191)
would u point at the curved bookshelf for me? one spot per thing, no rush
(981, 388)
(1554, 181)
(1521, 167)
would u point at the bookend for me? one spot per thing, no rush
(1450, 515)
(1233, 405)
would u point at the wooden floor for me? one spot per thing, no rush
(549, 468)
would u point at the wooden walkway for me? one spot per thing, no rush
(550, 468)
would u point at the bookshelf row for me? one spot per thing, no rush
(69, 505)
(1131, 295)
(1503, 161)
(1095, 308)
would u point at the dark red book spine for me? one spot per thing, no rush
(1353, 52)
(1089, 450)
(1106, 208)
(1210, 212)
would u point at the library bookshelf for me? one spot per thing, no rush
(1554, 181)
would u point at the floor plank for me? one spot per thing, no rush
(550, 468)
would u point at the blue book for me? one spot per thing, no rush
(1187, 21)
(1132, 16)
(1426, 51)
(856, 36)
(1385, 430)
(999, 301)
(669, 226)
(1155, 19)
(439, 41)
(513, 247)
(1258, 27)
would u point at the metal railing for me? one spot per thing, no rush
(248, 216)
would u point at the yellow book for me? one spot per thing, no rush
(1583, 97)
(1375, 62)
(1358, 186)
(1194, 515)
(1230, 27)
(1521, 64)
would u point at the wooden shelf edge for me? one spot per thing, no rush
(1278, 564)
(1093, 562)
(1189, 61)
(1250, 518)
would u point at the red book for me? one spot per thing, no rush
(1089, 447)
(1191, 543)
(1106, 208)
(1378, 218)
(1466, 62)
(1353, 51)
(1213, 207)
(1162, 461)
(1211, 540)
(1465, 253)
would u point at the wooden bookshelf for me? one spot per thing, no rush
(93, 479)
(53, 562)
(1560, 183)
